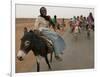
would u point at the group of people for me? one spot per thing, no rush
(82, 22)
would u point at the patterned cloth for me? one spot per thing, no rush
(58, 41)
(42, 25)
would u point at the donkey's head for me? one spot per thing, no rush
(26, 44)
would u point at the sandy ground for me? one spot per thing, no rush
(77, 55)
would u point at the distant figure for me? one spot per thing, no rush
(55, 19)
(85, 23)
(78, 24)
(90, 20)
(54, 22)
(73, 23)
(63, 22)
(77, 21)
(81, 21)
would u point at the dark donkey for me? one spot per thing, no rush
(38, 44)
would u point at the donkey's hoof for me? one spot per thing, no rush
(50, 69)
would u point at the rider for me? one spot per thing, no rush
(43, 23)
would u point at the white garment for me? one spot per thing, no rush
(76, 29)
(43, 28)
(41, 22)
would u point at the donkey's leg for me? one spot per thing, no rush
(38, 67)
(51, 57)
(46, 59)
(38, 63)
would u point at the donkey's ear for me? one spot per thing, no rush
(30, 31)
(25, 30)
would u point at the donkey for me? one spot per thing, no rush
(39, 45)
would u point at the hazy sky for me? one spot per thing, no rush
(32, 11)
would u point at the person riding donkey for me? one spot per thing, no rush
(43, 24)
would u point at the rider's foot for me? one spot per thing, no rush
(58, 57)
